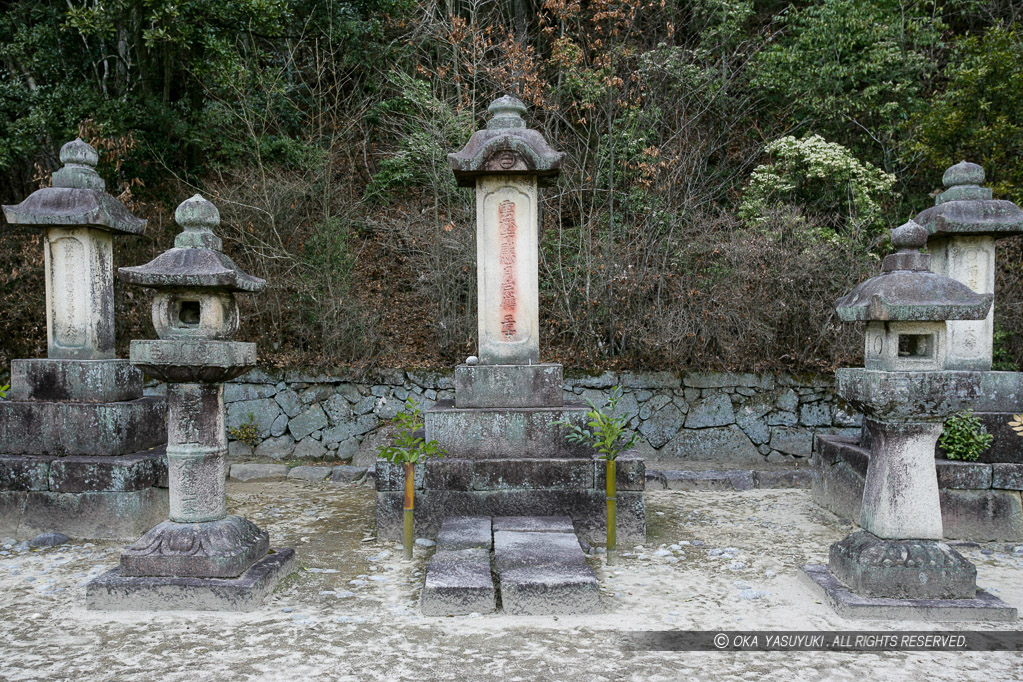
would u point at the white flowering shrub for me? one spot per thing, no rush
(818, 178)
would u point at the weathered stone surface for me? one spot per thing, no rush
(518, 549)
(279, 426)
(347, 474)
(308, 473)
(815, 414)
(952, 474)
(48, 379)
(458, 582)
(714, 411)
(650, 380)
(550, 590)
(902, 569)
(289, 402)
(251, 471)
(465, 532)
(1007, 445)
(794, 478)
(48, 540)
(983, 608)
(234, 391)
(661, 425)
(77, 474)
(183, 361)
(590, 380)
(728, 380)
(630, 472)
(792, 441)
(537, 385)
(276, 448)
(116, 515)
(309, 449)
(787, 401)
(504, 433)
(449, 474)
(726, 444)
(533, 524)
(709, 480)
(25, 472)
(336, 434)
(312, 419)
(587, 509)
(239, 451)
(907, 396)
(114, 592)
(391, 476)
(261, 412)
(338, 409)
(1007, 476)
(225, 548)
(982, 516)
(533, 474)
(39, 428)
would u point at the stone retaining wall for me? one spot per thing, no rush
(721, 417)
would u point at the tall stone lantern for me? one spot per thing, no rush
(905, 392)
(196, 316)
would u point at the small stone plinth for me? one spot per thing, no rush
(537, 385)
(115, 592)
(458, 582)
(89, 381)
(984, 607)
(902, 569)
(216, 549)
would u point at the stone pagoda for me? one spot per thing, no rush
(506, 456)
(78, 441)
(897, 566)
(201, 557)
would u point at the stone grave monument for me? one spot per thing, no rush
(897, 566)
(507, 458)
(962, 228)
(79, 445)
(200, 558)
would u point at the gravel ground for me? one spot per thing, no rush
(350, 613)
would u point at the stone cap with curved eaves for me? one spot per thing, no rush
(506, 147)
(907, 290)
(196, 260)
(966, 208)
(76, 199)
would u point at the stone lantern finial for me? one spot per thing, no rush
(507, 113)
(79, 171)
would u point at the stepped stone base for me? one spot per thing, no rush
(115, 592)
(505, 432)
(91, 381)
(90, 515)
(458, 580)
(984, 607)
(979, 501)
(34, 427)
(217, 549)
(508, 385)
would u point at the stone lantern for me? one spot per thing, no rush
(905, 392)
(196, 315)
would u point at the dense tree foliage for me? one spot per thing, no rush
(733, 163)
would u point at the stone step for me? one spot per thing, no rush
(458, 583)
(543, 572)
(464, 532)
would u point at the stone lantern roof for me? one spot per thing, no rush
(966, 208)
(906, 290)
(506, 147)
(196, 260)
(76, 199)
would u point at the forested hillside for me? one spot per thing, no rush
(733, 165)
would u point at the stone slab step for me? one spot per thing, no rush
(543, 572)
(534, 524)
(735, 479)
(465, 532)
(458, 582)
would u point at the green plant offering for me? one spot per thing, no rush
(605, 432)
(408, 450)
(3, 390)
(964, 437)
(247, 433)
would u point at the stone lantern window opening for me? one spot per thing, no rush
(189, 313)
